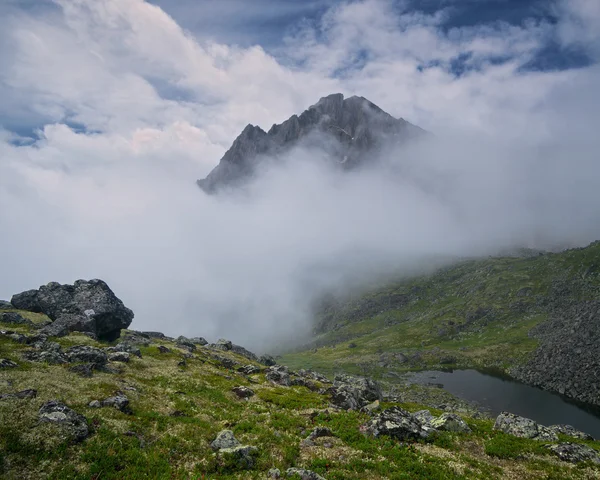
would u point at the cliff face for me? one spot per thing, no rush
(350, 130)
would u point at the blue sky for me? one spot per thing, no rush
(111, 109)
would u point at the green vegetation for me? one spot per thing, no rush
(477, 313)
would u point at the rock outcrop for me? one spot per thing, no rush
(523, 427)
(73, 424)
(88, 306)
(397, 423)
(350, 130)
(575, 453)
(353, 393)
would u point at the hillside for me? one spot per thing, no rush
(535, 317)
(147, 406)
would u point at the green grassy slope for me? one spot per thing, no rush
(474, 314)
(176, 411)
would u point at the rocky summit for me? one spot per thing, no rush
(350, 130)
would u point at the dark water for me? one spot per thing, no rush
(496, 394)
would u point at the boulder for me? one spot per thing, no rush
(68, 323)
(223, 344)
(4, 305)
(225, 439)
(278, 374)
(424, 416)
(85, 370)
(449, 422)
(29, 393)
(119, 357)
(353, 393)
(186, 343)
(163, 349)
(95, 404)
(523, 427)
(137, 338)
(397, 423)
(303, 474)
(241, 457)
(249, 369)
(86, 354)
(199, 341)
(243, 352)
(14, 318)
(119, 401)
(5, 363)
(73, 423)
(93, 299)
(45, 356)
(128, 348)
(267, 360)
(575, 452)
(571, 431)
(243, 392)
(274, 473)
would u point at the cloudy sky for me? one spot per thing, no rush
(110, 109)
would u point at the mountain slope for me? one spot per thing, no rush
(536, 318)
(350, 130)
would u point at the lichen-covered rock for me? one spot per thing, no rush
(249, 369)
(243, 392)
(45, 356)
(303, 474)
(449, 422)
(397, 423)
(86, 354)
(184, 342)
(199, 341)
(353, 393)
(225, 439)
(93, 299)
(267, 360)
(137, 338)
(128, 348)
(575, 452)
(424, 416)
(5, 363)
(241, 457)
(85, 370)
(68, 323)
(571, 431)
(4, 305)
(243, 352)
(223, 344)
(14, 318)
(274, 473)
(119, 357)
(118, 401)
(278, 374)
(95, 404)
(523, 427)
(73, 423)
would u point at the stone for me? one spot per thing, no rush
(163, 349)
(267, 360)
(87, 354)
(73, 423)
(319, 432)
(223, 344)
(424, 416)
(396, 423)
(241, 457)
(225, 439)
(56, 300)
(239, 350)
(136, 338)
(5, 363)
(23, 394)
(95, 404)
(249, 369)
(83, 370)
(371, 407)
(571, 431)
(353, 393)
(45, 356)
(449, 422)
(119, 357)
(186, 343)
(278, 374)
(14, 318)
(4, 305)
(68, 323)
(243, 392)
(274, 473)
(119, 401)
(523, 427)
(303, 474)
(128, 348)
(199, 341)
(575, 452)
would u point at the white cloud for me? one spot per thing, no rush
(513, 163)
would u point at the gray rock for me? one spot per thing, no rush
(241, 457)
(303, 474)
(163, 349)
(350, 131)
(5, 363)
(449, 422)
(119, 401)
(523, 427)
(274, 473)
(83, 370)
(223, 344)
(575, 453)
(267, 360)
(14, 318)
(243, 352)
(95, 404)
(199, 341)
(319, 432)
(4, 305)
(353, 393)
(119, 357)
(23, 394)
(225, 439)
(243, 392)
(278, 374)
(87, 354)
(136, 338)
(68, 323)
(397, 423)
(424, 416)
(56, 300)
(128, 348)
(249, 369)
(73, 423)
(571, 431)
(45, 356)
(186, 343)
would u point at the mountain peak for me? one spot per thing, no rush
(352, 128)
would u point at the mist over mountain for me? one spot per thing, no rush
(350, 131)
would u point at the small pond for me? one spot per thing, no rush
(495, 394)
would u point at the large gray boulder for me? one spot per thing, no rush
(575, 453)
(450, 422)
(68, 323)
(571, 431)
(523, 427)
(353, 393)
(397, 423)
(92, 299)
